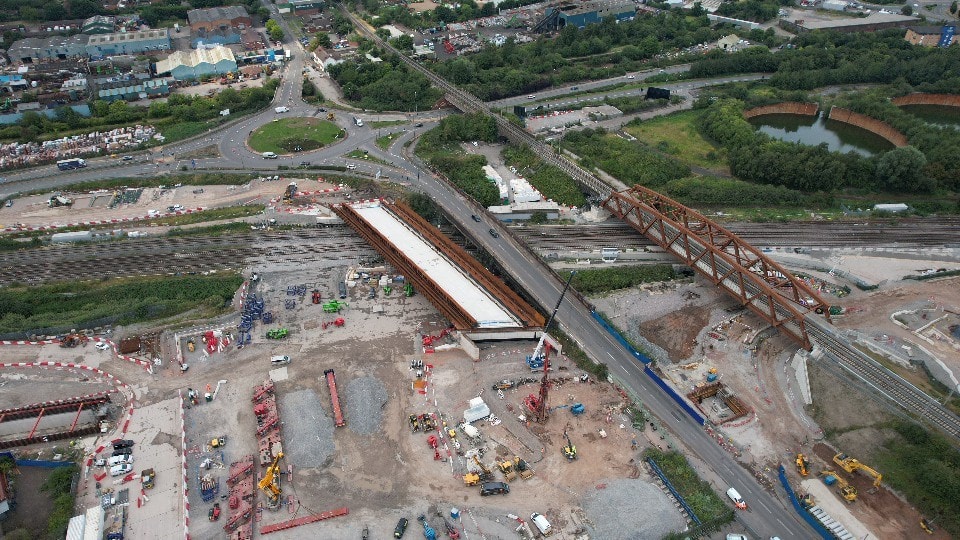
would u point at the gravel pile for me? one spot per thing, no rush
(307, 429)
(608, 510)
(364, 398)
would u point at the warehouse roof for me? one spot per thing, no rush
(226, 13)
(128, 37)
(195, 58)
(873, 18)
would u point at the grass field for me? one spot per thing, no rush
(676, 134)
(286, 134)
(385, 141)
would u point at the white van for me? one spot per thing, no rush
(122, 469)
(269, 155)
(737, 500)
(280, 110)
(279, 360)
(541, 524)
(120, 460)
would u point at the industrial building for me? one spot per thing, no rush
(29, 50)
(98, 24)
(128, 43)
(198, 63)
(582, 14)
(203, 37)
(132, 89)
(931, 36)
(218, 18)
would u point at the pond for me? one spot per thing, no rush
(814, 130)
(936, 115)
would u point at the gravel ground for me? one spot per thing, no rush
(606, 511)
(365, 400)
(307, 429)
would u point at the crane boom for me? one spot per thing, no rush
(539, 349)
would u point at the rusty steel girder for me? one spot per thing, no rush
(759, 283)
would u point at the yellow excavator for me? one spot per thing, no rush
(506, 467)
(848, 492)
(802, 465)
(851, 465)
(570, 451)
(270, 484)
(472, 479)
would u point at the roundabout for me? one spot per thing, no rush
(289, 135)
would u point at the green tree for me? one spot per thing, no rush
(900, 170)
(538, 217)
(907, 10)
(953, 6)
(323, 40)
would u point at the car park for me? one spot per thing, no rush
(400, 528)
(494, 488)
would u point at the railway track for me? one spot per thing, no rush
(881, 380)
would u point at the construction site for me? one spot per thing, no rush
(395, 378)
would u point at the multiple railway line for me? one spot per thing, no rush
(882, 380)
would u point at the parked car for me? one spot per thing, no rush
(737, 499)
(494, 488)
(102, 346)
(122, 443)
(122, 469)
(400, 528)
(122, 451)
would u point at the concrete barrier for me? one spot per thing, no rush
(787, 107)
(878, 128)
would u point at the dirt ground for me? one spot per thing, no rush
(32, 211)
(677, 332)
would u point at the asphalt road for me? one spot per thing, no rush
(768, 515)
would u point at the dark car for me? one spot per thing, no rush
(122, 443)
(494, 488)
(401, 528)
(418, 124)
(494, 233)
(304, 163)
(127, 158)
(475, 217)
(122, 451)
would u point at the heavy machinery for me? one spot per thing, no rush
(290, 192)
(848, 492)
(540, 401)
(523, 468)
(72, 340)
(506, 467)
(851, 465)
(277, 333)
(315, 296)
(570, 451)
(471, 479)
(428, 532)
(927, 525)
(270, 484)
(218, 442)
(485, 474)
(147, 478)
(214, 513)
(802, 465)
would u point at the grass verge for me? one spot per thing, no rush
(705, 503)
(549, 180)
(214, 214)
(600, 280)
(285, 135)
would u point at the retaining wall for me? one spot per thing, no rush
(881, 129)
(787, 107)
(944, 100)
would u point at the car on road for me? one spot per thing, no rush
(574, 88)
(475, 217)
(127, 158)
(351, 166)
(494, 233)
(9, 203)
(400, 528)
(304, 163)
(494, 488)
(102, 346)
(737, 537)
(269, 155)
(737, 499)
(418, 124)
(631, 77)
(532, 96)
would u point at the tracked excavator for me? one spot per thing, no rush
(570, 451)
(270, 484)
(851, 465)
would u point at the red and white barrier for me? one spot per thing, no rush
(107, 221)
(139, 361)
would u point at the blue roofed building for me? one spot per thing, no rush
(141, 41)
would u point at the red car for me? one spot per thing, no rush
(214, 513)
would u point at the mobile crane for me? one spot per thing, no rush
(851, 465)
(539, 402)
(270, 484)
